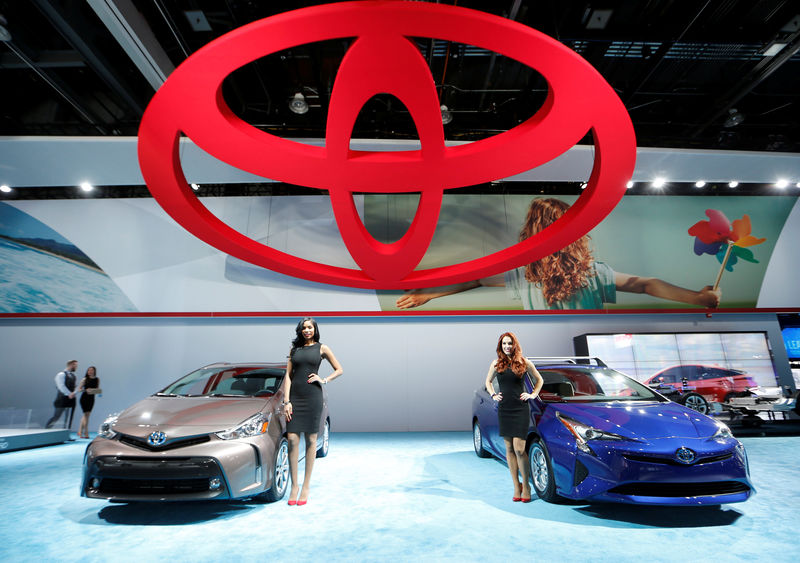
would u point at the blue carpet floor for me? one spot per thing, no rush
(392, 497)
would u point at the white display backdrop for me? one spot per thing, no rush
(400, 374)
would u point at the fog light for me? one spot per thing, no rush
(214, 483)
(95, 483)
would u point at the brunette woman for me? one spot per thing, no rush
(513, 413)
(90, 386)
(302, 392)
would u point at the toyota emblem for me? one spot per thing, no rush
(157, 438)
(384, 59)
(685, 455)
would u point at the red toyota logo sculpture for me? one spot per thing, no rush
(382, 59)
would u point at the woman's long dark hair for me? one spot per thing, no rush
(299, 341)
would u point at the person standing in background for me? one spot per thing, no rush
(90, 385)
(65, 394)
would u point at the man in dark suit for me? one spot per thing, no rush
(65, 393)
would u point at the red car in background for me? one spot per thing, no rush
(714, 383)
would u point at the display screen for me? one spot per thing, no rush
(715, 364)
(791, 339)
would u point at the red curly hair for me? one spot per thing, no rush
(562, 273)
(516, 361)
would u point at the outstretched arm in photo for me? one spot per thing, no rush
(707, 297)
(417, 297)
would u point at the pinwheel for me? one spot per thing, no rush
(728, 242)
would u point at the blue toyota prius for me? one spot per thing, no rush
(598, 435)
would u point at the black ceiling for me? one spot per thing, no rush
(680, 67)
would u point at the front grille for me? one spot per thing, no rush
(142, 444)
(681, 489)
(673, 461)
(111, 485)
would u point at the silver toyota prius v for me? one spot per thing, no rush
(216, 433)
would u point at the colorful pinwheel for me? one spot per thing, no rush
(727, 241)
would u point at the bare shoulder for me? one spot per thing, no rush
(324, 350)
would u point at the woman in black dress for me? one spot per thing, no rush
(513, 413)
(90, 385)
(302, 392)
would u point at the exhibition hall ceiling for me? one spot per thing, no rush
(711, 74)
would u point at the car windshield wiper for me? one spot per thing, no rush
(225, 395)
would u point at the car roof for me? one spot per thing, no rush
(239, 365)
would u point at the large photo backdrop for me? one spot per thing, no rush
(127, 255)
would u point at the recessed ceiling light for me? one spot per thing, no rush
(195, 187)
(86, 186)
(797, 185)
(782, 183)
(5, 189)
(583, 185)
(659, 183)
(733, 184)
(699, 184)
(630, 184)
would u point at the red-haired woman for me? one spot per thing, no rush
(513, 413)
(567, 279)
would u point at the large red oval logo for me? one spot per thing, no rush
(382, 59)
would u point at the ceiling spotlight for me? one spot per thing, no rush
(797, 185)
(5, 189)
(734, 118)
(195, 187)
(782, 184)
(583, 185)
(298, 104)
(86, 186)
(700, 184)
(659, 183)
(629, 185)
(733, 184)
(447, 115)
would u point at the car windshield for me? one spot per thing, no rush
(227, 381)
(591, 384)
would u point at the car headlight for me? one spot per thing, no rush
(722, 432)
(583, 432)
(253, 426)
(106, 429)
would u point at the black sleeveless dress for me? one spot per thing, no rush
(87, 400)
(306, 398)
(513, 414)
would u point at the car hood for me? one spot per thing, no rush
(642, 420)
(194, 414)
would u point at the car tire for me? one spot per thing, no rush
(542, 471)
(280, 475)
(326, 437)
(477, 440)
(694, 401)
